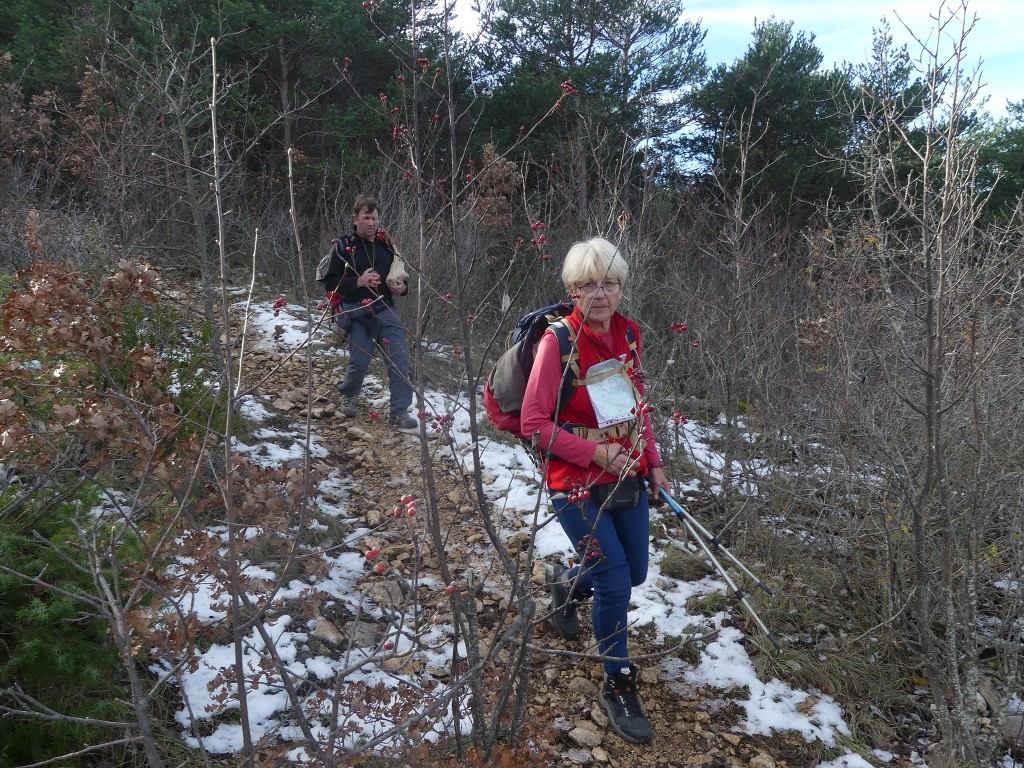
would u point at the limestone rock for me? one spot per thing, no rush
(406, 664)
(329, 633)
(358, 433)
(362, 634)
(586, 737)
(386, 593)
(1012, 732)
(583, 686)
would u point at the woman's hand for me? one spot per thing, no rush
(397, 287)
(657, 480)
(613, 459)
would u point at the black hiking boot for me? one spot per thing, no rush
(403, 422)
(619, 699)
(564, 616)
(348, 406)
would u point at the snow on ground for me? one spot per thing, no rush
(772, 705)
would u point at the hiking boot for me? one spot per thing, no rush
(348, 406)
(564, 617)
(404, 422)
(620, 701)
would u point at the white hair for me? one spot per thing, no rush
(594, 261)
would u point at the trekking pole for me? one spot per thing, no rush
(688, 523)
(680, 512)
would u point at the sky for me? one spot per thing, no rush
(773, 706)
(843, 32)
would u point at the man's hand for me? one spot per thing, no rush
(397, 287)
(369, 279)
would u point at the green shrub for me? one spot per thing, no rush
(53, 648)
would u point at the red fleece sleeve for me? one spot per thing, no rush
(539, 403)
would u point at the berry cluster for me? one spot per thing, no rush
(578, 494)
(442, 422)
(642, 408)
(278, 305)
(380, 566)
(589, 548)
(409, 510)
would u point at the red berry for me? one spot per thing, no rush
(388, 645)
(380, 567)
(451, 589)
(407, 498)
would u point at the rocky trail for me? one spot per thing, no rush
(694, 726)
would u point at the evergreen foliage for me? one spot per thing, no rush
(55, 647)
(773, 117)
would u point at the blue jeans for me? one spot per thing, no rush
(614, 549)
(381, 328)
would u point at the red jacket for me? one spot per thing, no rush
(569, 464)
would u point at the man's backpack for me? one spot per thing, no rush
(506, 383)
(323, 270)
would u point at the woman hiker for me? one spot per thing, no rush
(595, 470)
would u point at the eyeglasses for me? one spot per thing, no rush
(591, 289)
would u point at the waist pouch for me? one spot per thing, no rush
(353, 313)
(619, 496)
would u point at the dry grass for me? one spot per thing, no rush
(682, 565)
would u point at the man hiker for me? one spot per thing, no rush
(364, 304)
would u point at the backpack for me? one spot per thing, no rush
(324, 267)
(506, 383)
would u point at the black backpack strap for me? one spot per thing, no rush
(634, 356)
(570, 355)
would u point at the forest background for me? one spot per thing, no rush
(842, 246)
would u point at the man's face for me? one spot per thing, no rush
(366, 224)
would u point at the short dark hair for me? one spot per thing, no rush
(364, 203)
